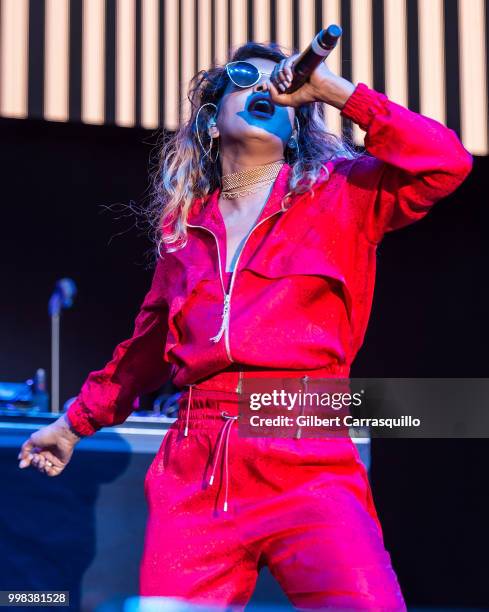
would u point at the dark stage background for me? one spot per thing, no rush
(429, 319)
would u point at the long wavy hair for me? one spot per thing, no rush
(184, 172)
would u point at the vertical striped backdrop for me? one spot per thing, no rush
(129, 62)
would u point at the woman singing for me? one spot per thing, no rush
(265, 229)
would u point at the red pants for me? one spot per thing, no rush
(303, 507)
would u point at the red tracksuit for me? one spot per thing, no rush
(297, 303)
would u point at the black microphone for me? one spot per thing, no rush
(321, 46)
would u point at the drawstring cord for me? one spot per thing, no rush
(223, 435)
(189, 400)
(304, 380)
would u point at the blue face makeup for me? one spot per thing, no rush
(277, 124)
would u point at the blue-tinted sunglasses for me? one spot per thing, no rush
(244, 74)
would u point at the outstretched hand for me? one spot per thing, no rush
(49, 449)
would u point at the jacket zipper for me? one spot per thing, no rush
(226, 311)
(227, 298)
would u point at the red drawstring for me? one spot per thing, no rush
(224, 433)
(304, 381)
(189, 399)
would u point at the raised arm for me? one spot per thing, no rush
(137, 367)
(416, 161)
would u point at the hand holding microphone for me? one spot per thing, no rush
(304, 77)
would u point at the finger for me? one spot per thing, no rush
(273, 76)
(51, 470)
(288, 69)
(36, 460)
(26, 460)
(29, 449)
(278, 97)
(39, 461)
(282, 79)
(276, 76)
(281, 68)
(51, 460)
(26, 447)
(274, 93)
(49, 457)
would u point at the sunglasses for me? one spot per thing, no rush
(244, 74)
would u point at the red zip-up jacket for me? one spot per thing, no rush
(301, 292)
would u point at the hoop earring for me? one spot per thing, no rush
(206, 153)
(293, 142)
(298, 129)
(213, 160)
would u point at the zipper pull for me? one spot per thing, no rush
(225, 319)
(239, 387)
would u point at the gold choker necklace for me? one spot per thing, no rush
(235, 185)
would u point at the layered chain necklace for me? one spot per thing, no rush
(250, 180)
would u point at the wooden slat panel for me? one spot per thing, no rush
(171, 64)
(473, 76)
(204, 28)
(239, 23)
(152, 79)
(261, 20)
(187, 50)
(284, 23)
(14, 58)
(395, 37)
(332, 14)
(125, 108)
(362, 55)
(221, 31)
(56, 60)
(93, 62)
(432, 60)
(150, 65)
